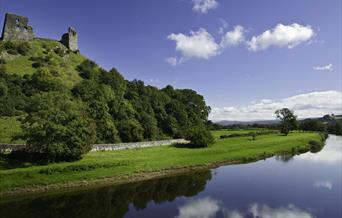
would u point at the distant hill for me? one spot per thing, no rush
(326, 118)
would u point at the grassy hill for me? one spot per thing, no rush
(18, 57)
(44, 77)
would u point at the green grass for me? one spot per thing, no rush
(65, 64)
(9, 128)
(218, 133)
(97, 165)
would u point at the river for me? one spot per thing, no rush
(301, 186)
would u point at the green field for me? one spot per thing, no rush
(97, 165)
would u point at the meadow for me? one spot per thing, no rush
(121, 166)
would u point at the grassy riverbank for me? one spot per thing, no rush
(127, 164)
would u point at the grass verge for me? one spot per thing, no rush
(131, 165)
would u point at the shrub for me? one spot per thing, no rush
(2, 61)
(23, 48)
(199, 137)
(19, 48)
(315, 146)
(56, 129)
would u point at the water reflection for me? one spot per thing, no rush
(291, 211)
(323, 184)
(307, 186)
(330, 154)
(109, 201)
(201, 208)
(208, 208)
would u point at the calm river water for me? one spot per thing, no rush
(303, 186)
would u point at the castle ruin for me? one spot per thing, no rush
(16, 28)
(70, 40)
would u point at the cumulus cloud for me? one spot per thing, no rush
(290, 211)
(313, 104)
(172, 61)
(234, 37)
(281, 36)
(328, 67)
(199, 44)
(223, 27)
(203, 6)
(323, 184)
(202, 208)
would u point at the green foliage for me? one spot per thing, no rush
(335, 127)
(154, 159)
(288, 121)
(15, 48)
(312, 125)
(119, 110)
(56, 128)
(3, 90)
(200, 137)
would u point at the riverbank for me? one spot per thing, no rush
(114, 167)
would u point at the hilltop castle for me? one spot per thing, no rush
(16, 28)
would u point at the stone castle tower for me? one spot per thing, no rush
(70, 39)
(16, 28)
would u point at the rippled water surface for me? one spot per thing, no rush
(306, 185)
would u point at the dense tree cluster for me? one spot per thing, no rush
(103, 108)
(312, 125)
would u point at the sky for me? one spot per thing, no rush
(246, 57)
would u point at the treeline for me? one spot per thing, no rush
(328, 124)
(60, 122)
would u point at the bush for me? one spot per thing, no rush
(17, 48)
(2, 61)
(23, 48)
(199, 137)
(56, 128)
(315, 146)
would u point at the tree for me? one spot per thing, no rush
(56, 128)
(312, 125)
(288, 121)
(199, 137)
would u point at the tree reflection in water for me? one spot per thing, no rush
(108, 201)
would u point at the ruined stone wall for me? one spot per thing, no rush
(16, 28)
(123, 146)
(70, 39)
(5, 148)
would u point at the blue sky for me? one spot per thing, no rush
(210, 42)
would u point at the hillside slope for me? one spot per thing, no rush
(21, 58)
(43, 83)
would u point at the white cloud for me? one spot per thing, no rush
(199, 44)
(233, 37)
(223, 27)
(203, 6)
(282, 36)
(202, 208)
(323, 184)
(328, 67)
(172, 61)
(232, 213)
(313, 104)
(291, 211)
